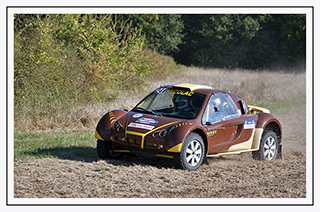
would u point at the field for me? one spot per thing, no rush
(64, 164)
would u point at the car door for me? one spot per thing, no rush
(224, 123)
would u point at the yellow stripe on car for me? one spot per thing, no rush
(121, 150)
(164, 156)
(98, 136)
(176, 148)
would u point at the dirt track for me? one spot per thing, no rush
(136, 177)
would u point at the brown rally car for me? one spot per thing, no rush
(188, 122)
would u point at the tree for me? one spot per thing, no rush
(163, 32)
(217, 40)
(293, 37)
(242, 40)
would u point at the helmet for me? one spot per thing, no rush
(181, 102)
(216, 102)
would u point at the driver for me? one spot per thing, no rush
(186, 105)
(218, 114)
(182, 103)
(216, 103)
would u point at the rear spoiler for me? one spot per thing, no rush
(256, 109)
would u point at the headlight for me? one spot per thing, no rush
(163, 133)
(117, 126)
(160, 133)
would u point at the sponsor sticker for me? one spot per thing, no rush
(179, 92)
(137, 115)
(142, 126)
(249, 124)
(147, 121)
(212, 133)
(174, 91)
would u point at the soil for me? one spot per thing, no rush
(232, 176)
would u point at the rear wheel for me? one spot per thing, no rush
(192, 153)
(268, 147)
(105, 150)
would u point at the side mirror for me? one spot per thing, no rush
(242, 107)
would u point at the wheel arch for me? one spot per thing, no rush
(267, 121)
(203, 136)
(275, 127)
(179, 136)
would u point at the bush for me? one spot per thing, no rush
(62, 62)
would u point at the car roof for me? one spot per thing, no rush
(192, 87)
(201, 89)
(195, 88)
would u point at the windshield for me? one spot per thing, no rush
(172, 102)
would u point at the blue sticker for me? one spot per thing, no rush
(147, 121)
(137, 115)
(249, 124)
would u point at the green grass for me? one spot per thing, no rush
(78, 145)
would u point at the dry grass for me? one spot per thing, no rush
(254, 87)
(251, 86)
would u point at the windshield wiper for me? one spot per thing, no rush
(149, 111)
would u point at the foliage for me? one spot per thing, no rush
(163, 32)
(110, 58)
(62, 61)
(242, 40)
(106, 57)
(293, 34)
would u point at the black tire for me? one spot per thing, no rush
(268, 149)
(192, 153)
(105, 150)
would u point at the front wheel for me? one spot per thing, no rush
(192, 153)
(105, 150)
(268, 147)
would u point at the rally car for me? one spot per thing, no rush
(187, 123)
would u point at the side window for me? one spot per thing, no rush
(220, 107)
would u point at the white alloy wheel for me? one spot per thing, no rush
(269, 148)
(193, 153)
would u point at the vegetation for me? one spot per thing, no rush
(249, 41)
(243, 41)
(67, 145)
(69, 69)
(80, 52)
(63, 61)
(163, 32)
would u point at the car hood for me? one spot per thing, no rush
(143, 122)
